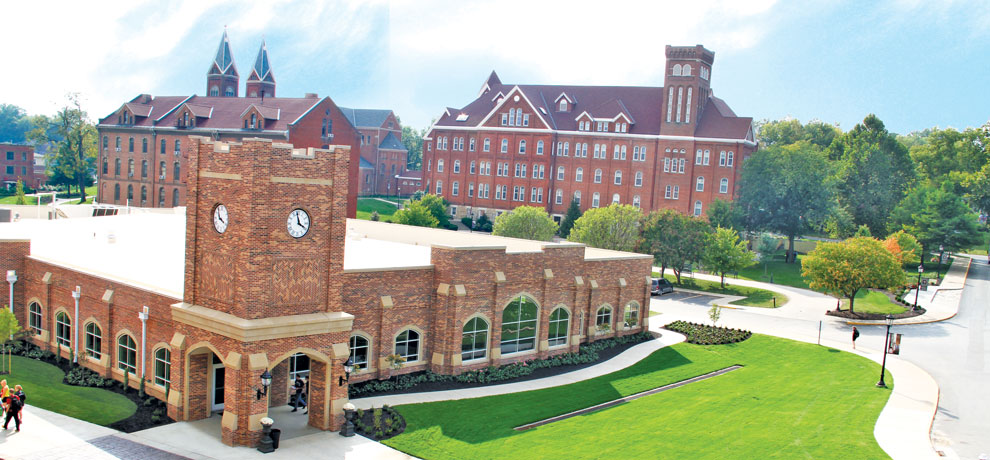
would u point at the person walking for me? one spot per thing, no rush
(13, 412)
(4, 394)
(855, 336)
(19, 392)
(299, 389)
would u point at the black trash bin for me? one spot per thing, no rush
(276, 433)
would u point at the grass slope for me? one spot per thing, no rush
(754, 297)
(43, 387)
(791, 400)
(365, 206)
(868, 301)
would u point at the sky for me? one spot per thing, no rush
(914, 63)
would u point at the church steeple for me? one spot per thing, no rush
(261, 82)
(222, 79)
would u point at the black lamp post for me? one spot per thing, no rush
(921, 269)
(886, 339)
(938, 268)
(266, 381)
(348, 367)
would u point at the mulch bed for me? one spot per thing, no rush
(874, 316)
(365, 424)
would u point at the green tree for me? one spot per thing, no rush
(846, 267)
(613, 227)
(417, 214)
(873, 171)
(8, 324)
(674, 239)
(438, 207)
(936, 215)
(725, 214)
(780, 132)
(768, 245)
(573, 214)
(863, 230)
(820, 133)
(725, 253)
(785, 190)
(978, 189)
(412, 139)
(14, 124)
(527, 222)
(909, 250)
(75, 156)
(21, 199)
(839, 223)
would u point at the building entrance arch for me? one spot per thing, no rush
(312, 367)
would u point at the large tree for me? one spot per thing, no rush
(786, 190)
(790, 131)
(936, 216)
(527, 222)
(674, 239)
(726, 253)
(873, 171)
(725, 214)
(613, 227)
(412, 139)
(573, 214)
(14, 124)
(74, 160)
(845, 267)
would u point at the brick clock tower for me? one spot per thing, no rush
(687, 85)
(265, 227)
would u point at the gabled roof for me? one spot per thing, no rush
(262, 70)
(719, 121)
(199, 111)
(266, 112)
(139, 110)
(222, 112)
(223, 63)
(391, 143)
(365, 164)
(366, 118)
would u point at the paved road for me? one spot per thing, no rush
(956, 353)
(688, 297)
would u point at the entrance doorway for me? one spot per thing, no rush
(216, 390)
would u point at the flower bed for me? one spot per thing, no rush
(378, 424)
(429, 381)
(703, 334)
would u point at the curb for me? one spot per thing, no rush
(927, 321)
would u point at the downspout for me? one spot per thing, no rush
(143, 316)
(75, 326)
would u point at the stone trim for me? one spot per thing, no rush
(593, 284)
(387, 301)
(108, 296)
(547, 274)
(178, 341)
(343, 351)
(459, 290)
(499, 277)
(253, 330)
(578, 281)
(218, 175)
(301, 180)
(256, 361)
(443, 289)
(233, 360)
(622, 282)
(47, 279)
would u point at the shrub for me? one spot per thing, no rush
(466, 220)
(702, 334)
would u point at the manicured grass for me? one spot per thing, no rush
(13, 200)
(783, 273)
(790, 400)
(873, 302)
(755, 297)
(365, 206)
(43, 387)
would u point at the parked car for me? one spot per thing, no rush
(661, 286)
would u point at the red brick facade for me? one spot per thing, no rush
(17, 164)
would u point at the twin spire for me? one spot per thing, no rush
(223, 80)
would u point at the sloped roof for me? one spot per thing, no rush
(366, 118)
(719, 121)
(365, 164)
(139, 110)
(262, 70)
(392, 143)
(224, 61)
(223, 112)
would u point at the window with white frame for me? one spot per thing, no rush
(578, 174)
(677, 191)
(615, 152)
(723, 185)
(680, 98)
(63, 329)
(603, 318)
(455, 188)
(700, 184)
(622, 152)
(707, 155)
(615, 198)
(728, 161)
(525, 119)
(471, 145)
(470, 189)
(126, 354)
(559, 197)
(360, 351)
(563, 105)
(597, 151)
(687, 108)
(407, 345)
(536, 195)
(595, 200)
(680, 166)
(560, 173)
(670, 102)
(638, 181)
(697, 208)
(488, 145)
(94, 340)
(598, 176)
(636, 201)
(686, 70)
(505, 118)
(677, 70)
(721, 158)
(34, 318)
(666, 165)
(163, 367)
(522, 146)
(474, 339)
(505, 146)
(539, 147)
(558, 327)
(577, 197)
(698, 156)
(439, 189)
(440, 165)
(471, 167)
(567, 147)
(667, 192)
(584, 150)
(457, 166)
(618, 177)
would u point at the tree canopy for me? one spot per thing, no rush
(613, 227)
(527, 222)
(416, 213)
(573, 214)
(674, 239)
(412, 139)
(74, 159)
(845, 267)
(725, 214)
(936, 215)
(726, 253)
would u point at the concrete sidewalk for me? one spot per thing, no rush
(940, 302)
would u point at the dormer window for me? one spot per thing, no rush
(214, 91)
(185, 118)
(563, 105)
(254, 121)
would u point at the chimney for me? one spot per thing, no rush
(311, 96)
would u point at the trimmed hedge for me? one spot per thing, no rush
(587, 353)
(703, 334)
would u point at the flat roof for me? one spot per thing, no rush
(147, 250)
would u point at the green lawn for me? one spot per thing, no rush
(868, 301)
(790, 400)
(365, 206)
(783, 273)
(754, 297)
(43, 386)
(13, 200)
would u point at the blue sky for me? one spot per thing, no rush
(916, 64)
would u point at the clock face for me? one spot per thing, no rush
(298, 223)
(220, 219)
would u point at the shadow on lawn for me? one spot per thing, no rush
(480, 420)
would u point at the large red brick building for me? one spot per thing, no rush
(383, 156)
(264, 272)
(676, 146)
(17, 163)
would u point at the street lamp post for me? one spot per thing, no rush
(886, 339)
(397, 194)
(938, 268)
(917, 289)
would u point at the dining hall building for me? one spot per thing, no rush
(262, 271)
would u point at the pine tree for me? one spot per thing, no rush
(573, 214)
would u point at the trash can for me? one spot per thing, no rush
(275, 434)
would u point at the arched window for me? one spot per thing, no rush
(175, 197)
(686, 70)
(603, 318)
(176, 173)
(618, 177)
(595, 200)
(126, 354)
(539, 147)
(457, 166)
(639, 179)
(106, 142)
(636, 201)
(558, 327)
(563, 105)
(144, 194)
(360, 349)
(615, 198)
(560, 173)
(130, 168)
(144, 168)
(578, 174)
(34, 317)
(598, 176)
(144, 145)
(677, 70)
(178, 146)
(63, 329)
(577, 197)
(161, 197)
(161, 170)
(474, 339)
(163, 146)
(214, 91)
(130, 144)
(440, 165)
(163, 366)
(130, 192)
(116, 167)
(407, 345)
(94, 340)
(106, 166)
(697, 208)
(505, 146)
(439, 190)
(229, 92)
(700, 184)
(116, 192)
(631, 317)
(455, 188)
(519, 326)
(522, 145)
(723, 185)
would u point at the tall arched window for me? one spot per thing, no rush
(522, 145)
(63, 329)
(615, 198)
(636, 201)
(677, 70)
(505, 146)
(116, 192)
(229, 92)
(34, 317)
(161, 197)
(360, 350)
(539, 147)
(519, 325)
(144, 195)
(700, 184)
(163, 146)
(563, 105)
(603, 318)
(161, 170)
(130, 144)
(578, 174)
(175, 171)
(130, 168)
(178, 146)
(214, 91)
(638, 182)
(723, 185)
(631, 317)
(686, 70)
(94, 340)
(697, 208)
(618, 177)
(106, 166)
(474, 339)
(595, 200)
(175, 197)
(577, 197)
(144, 145)
(163, 366)
(407, 345)
(130, 192)
(558, 327)
(144, 168)
(106, 142)
(126, 354)
(116, 167)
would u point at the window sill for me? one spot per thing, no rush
(558, 347)
(468, 362)
(519, 353)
